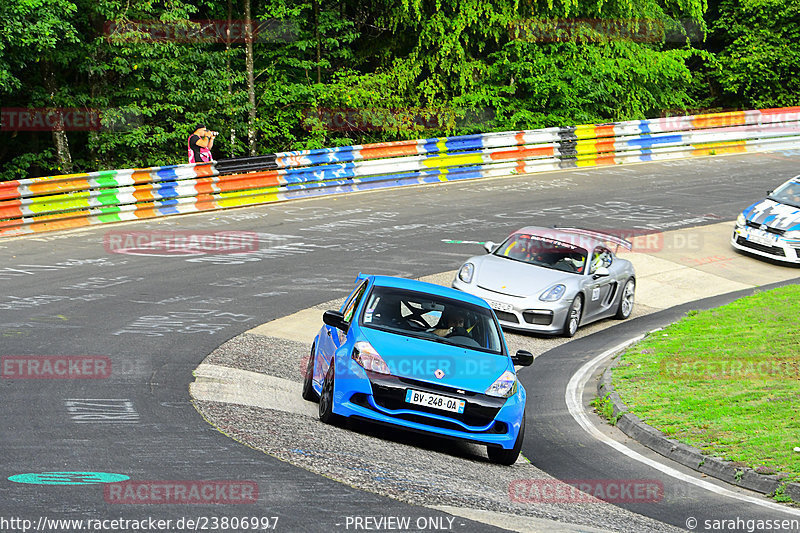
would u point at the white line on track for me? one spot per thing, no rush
(573, 398)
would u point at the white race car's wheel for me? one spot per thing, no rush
(626, 300)
(573, 317)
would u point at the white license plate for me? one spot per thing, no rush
(761, 237)
(500, 306)
(435, 401)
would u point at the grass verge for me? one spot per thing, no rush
(726, 381)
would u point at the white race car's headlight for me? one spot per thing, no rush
(554, 293)
(794, 234)
(740, 220)
(466, 272)
(505, 386)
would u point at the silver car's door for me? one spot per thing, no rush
(601, 289)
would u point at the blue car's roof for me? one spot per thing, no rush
(430, 288)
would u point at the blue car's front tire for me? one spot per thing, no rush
(326, 396)
(505, 457)
(308, 380)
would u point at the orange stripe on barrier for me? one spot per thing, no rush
(255, 180)
(604, 130)
(11, 209)
(388, 151)
(141, 176)
(733, 118)
(52, 225)
(8, 190)
(143, 194)
(522, 152)
(204, 170)
(605, 159)
(780, 110)
(204, 186)
(56, 186)
(606, 145)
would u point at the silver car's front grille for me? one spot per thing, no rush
(498, 292)
(506, 317)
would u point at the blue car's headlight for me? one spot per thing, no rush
(369, 359)
(741, 220)
(466, 272)
(504, 386)
(554, 293)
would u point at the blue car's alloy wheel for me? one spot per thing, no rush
(308, 381)
(326, 398)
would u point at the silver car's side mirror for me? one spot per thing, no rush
(489, 246)
(601, 272)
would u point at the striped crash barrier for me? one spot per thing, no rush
(61, 202)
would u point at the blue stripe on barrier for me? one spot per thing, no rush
(648, 140)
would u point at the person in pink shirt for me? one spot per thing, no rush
(200, 143)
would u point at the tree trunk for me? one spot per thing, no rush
(251, 85)
(316, 38)
(63, 157)
(230, 82)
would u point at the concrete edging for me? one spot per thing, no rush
(633, 427)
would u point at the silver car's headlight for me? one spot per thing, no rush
(794, 234)
(740, 220)
(504, 386)
(466, 272)
(554, 293)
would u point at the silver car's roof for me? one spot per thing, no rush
(587, 239)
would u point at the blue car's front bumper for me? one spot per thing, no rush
(486, 420)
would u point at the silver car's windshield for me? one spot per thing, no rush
(544, 252)
(788, 193)
(432, 318)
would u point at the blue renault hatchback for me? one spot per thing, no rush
(421, 357)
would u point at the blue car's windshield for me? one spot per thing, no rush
(788, 193)
(432, 318)
(544, 252)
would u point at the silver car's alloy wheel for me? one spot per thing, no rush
(574, 317)
(627, 300)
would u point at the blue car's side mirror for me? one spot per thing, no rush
(522, 358)
(335, 319)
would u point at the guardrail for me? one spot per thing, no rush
(70, 201)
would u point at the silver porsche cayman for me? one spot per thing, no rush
(552, 280)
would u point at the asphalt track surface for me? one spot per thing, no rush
(155, 318)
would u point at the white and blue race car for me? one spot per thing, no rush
(771, 227)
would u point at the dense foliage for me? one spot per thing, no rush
(332, 73)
